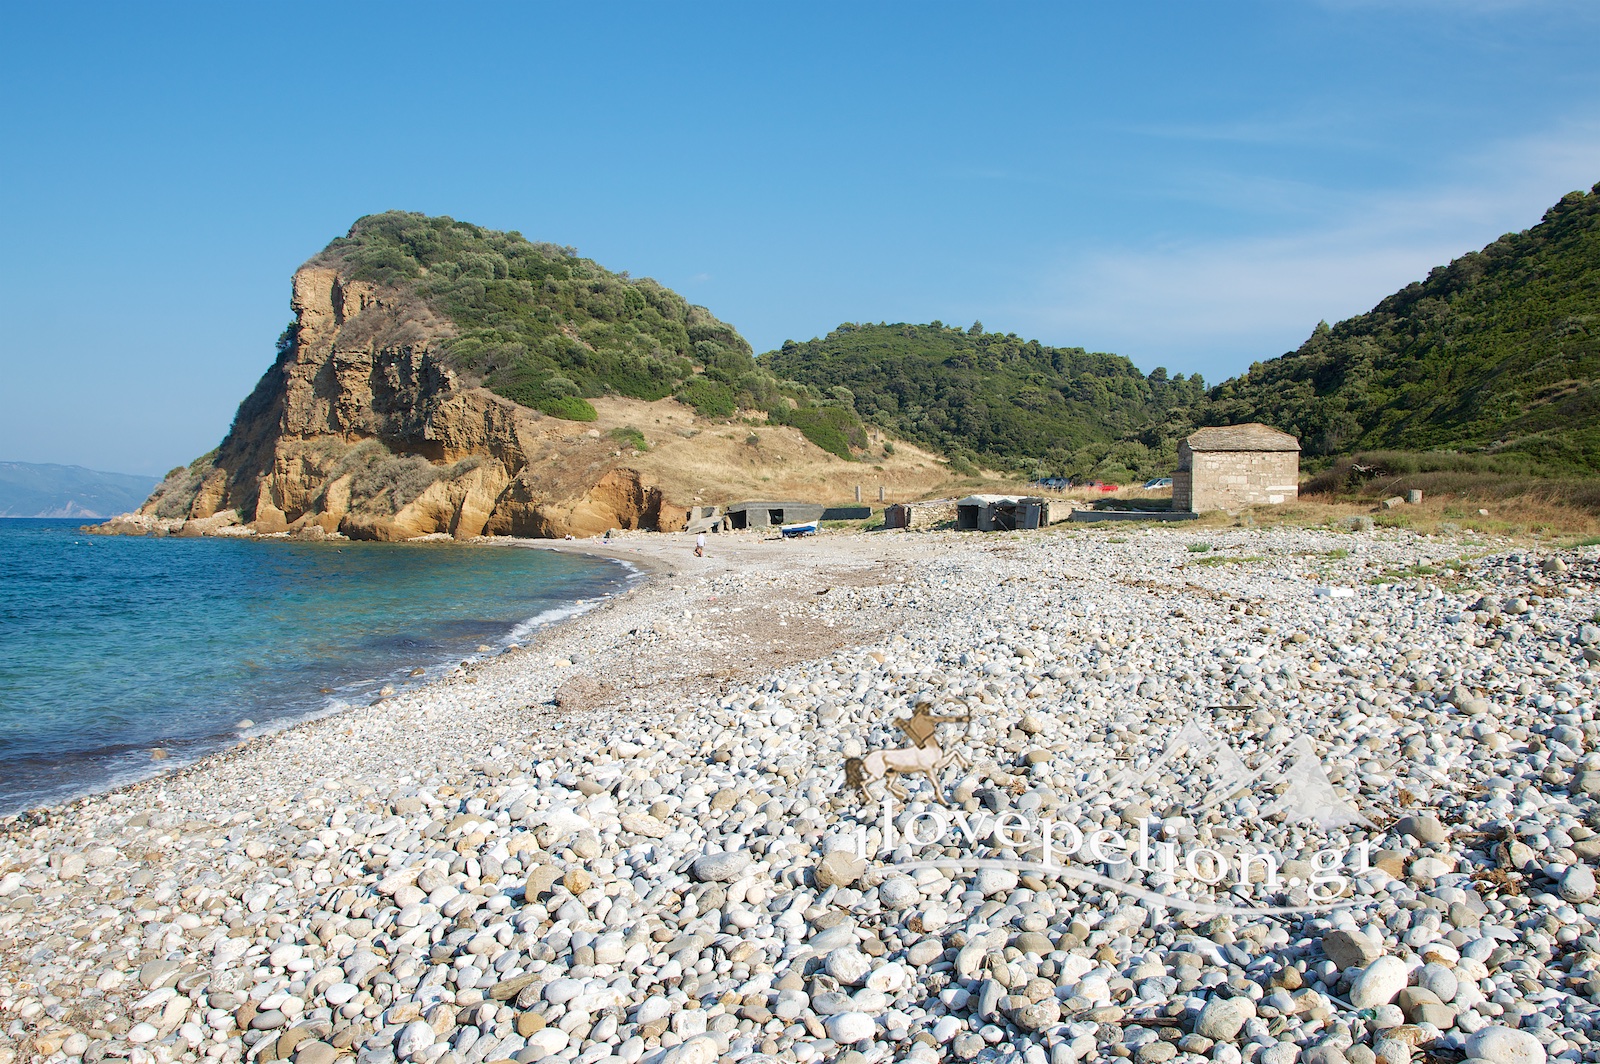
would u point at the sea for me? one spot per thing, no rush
(114, 646)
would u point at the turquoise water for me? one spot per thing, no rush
(111, 645)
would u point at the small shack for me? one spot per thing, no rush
(1231, 466)
(920, 514)
(769, 514)
(1001, 513)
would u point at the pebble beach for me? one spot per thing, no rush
(631, 839)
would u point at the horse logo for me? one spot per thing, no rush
(924, 757)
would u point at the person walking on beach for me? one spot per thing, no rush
(700, 545)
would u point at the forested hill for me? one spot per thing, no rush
(996, 398)
(1498, 352)
(542, 326)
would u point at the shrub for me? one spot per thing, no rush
(569, 408)
(384, 482)
(550, 395)
(631, 436)
(709, 398)
(832, 428)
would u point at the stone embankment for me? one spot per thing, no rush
(664, 865)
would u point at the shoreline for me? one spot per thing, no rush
(228, 741)
(650, 567)
(524, 860)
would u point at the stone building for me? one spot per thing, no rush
(1232, 466)
(920, 514)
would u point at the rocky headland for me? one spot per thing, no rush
(441, 379)
(631, 840)
(362, 428)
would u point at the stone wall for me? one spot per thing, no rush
(1228, 480)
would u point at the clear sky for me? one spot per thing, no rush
(1192, 185)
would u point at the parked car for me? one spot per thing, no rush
(1159, 482)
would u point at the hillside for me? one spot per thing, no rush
(550, 330)
(1497, 352)
(30, 489)
(441, 378)
(998, 399)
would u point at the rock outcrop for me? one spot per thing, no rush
(362, 428)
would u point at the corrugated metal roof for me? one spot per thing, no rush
(1251, 437)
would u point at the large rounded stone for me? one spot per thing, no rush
(898, 892)
(848, 965)
(839, 869)
(1424, 828)
(1439, 979)
(1349, 949)
(848, 1027)
(1503, 1045)
(1223, 1018)
(414, 1037)
(992, 881)
(315, 1052)
(1379, 983)
(701, 1049)
(720, 867)
(1577, 885)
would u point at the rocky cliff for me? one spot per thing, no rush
(362, 427)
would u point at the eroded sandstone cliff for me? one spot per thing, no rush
(361, 428)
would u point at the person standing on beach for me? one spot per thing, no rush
(700, 545)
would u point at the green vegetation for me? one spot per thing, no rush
(996, 399)
(1214, 560)
(631, 437)
(550, 330)
(833, 428)
(1369, 477)
(710, 398)
(1497, 353)
(1199, 548)
(1484, 373)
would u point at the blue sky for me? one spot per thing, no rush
(1192, 185)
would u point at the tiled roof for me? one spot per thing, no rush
(1251, 437)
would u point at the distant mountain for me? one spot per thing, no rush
(1498, 352)
(998, 399)
(30, 489)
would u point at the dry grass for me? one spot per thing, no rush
(1456, 488)
(1534, 513)
(696, 460)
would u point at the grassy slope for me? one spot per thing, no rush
(540, 325)
(693, 459)
(1007, 402)
(1498, 352)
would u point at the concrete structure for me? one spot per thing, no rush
(1232, 466)
(769, 514)
(919, 514)
(703, 519)
(1001, 513)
